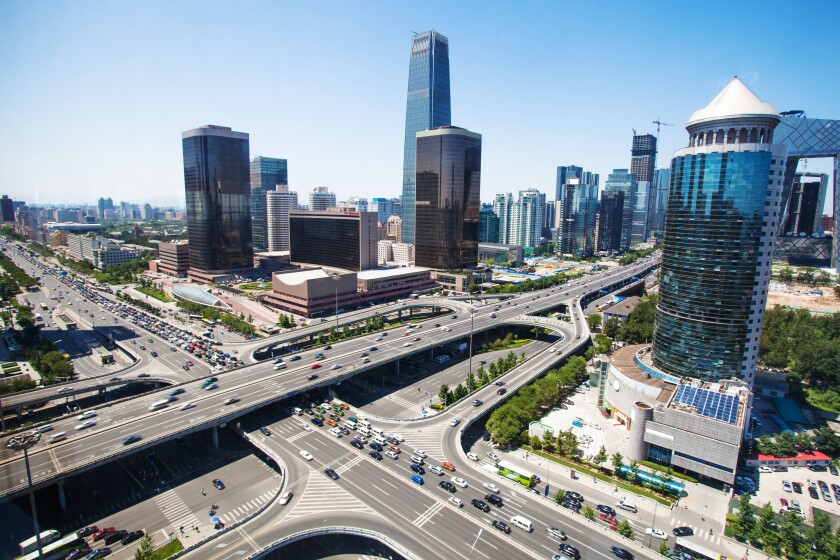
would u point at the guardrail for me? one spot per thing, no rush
(335, 530)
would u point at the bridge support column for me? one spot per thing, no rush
(2, 420)
(399, 314)
(397, 367)
(431, 353)
(62, 497)
(19, 413)
(215, 435)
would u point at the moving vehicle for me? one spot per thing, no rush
(132, 536)
(492, 487)
(285, 497)
(456, 502)
(332, 474)
(472, 456)
(569, 550)
(501, 526)
(306, 455)
(683, 531)
(555, 532)
(478, 504)
(517, 474)
(458, 481)
(494, 499)
(656, 533)
(523, 523)
(131, 439)
(621, 552)
(448, 486)
(417, 479)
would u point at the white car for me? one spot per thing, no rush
(407, 344)
(595, 426)
(280, 366)
(88, 424)
(765, 469)
(492, 487)
(306, 455)
(458, 481)
(454, 422)
(472, 456)
(86, 415)
(456, 502)
(285, 497)
(436, 470)
(379, 338)
(187, 405)
(306, 427)
(399, 437)
(418, 452)
(493, 456)
(656, 533)
(392, 455)
(336, 366)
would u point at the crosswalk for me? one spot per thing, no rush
(175, 510)
(354, 460)
(247, 508)
(322, 494)
(427, 438)
(428, 514)
(405, 403)
(699, 532)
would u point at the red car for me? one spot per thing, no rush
(784, 502)
(608, 518)
(314, 366)
(102, 533)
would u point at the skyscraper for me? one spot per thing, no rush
(639, 232)
(448, 186)
(807, 199)
(503, 208)
(564, 173)
(526, 219)
(278, 203)
(427, 107)
(320, 199)
(643, 157)
(723, 210)
(7, 209)
(488, 225)
(609, 221)
(658, 200)
(266, 173)
(340, 237)
(218, 191)
(383, 207)
(624, 181)
(577, 208)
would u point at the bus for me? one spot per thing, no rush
(517, 474)
(31, 543)
(56, 550)
(689, 550)
(195, 317)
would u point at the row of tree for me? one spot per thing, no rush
(788, 444)
(230, 320)
(17, 274)
(530, 285)
(480, 378)
(147, 307)
(633, 256)
(370, 325)
(805, 275)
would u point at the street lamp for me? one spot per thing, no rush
(335, 280)
(24, 442)
(472, 311)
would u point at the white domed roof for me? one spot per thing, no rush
(735, 100)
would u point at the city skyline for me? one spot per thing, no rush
(499, 83)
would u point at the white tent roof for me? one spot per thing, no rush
(735, 100)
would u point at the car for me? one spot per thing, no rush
(492, 487)
(605, 509)
(142, 375)
(833, 470)
(392, 455)
(417, 460)
(501, 526)
(569, 550)
(99, 553)
(315, 366)
(555, 532)
(572, 505)
(115, 536)
(472, 456)
(407, 344)
(622, 553)
(312, 376)
(211, 386)
(336, 366)
(417, 468)
(87, 531)
(494, 499)
(446, 485)
(434, 469)
(102, 533)
(231, 400)
(88, 424)
(797, 487)
(78, 554)
(493, 456)
(154, 354)
(500, 383)
(132, 439)
(456, 502)
(305, 454)
(376, 455)
(294, 358)
(376, 446)
(478, 504)
(656, 533)
(86, 415)
(265, 431)
(332, 474)
(813, 492)
(477, 402)
(357, 444)
(501, 391)
(189, 363)
(132, 536)
(448, 466)
(285, 497)
(608, 518)
(454, 422)
(417, 479)
(786, 486)
(683, 531)
(765, 469)
(458, 481)
(218, 484)
(574, 496)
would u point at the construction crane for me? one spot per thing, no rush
(659, 124)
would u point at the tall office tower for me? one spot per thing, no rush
(393, 229)
(339, 237)
(100, 205)
(526, 219)
(427, 107)
(576, 218)
(549, 218)
(266, 173)
(147, 212)
(383, 207)
(447, 202)
(723, 210)
(396, 206)
(7, 209)
(503, 208)
(320, 199)
(658, 201)
(643, 157)
(564, 174)
(624, 181)
(278, 204)
(609, 221)
(218, 190)
(488, 225)
(807, 199)
(639, 231)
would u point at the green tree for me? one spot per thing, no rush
(559, 496)
(820, 536)
(536, 442)
(634, 466)
(611, 327)
(460, 392)
(443, 393)
(588, 512)
(601, 456)
(594, 321)
(663, 549)
(791, 533)
(625, 530)
(145, 548)
(763, 526)
(617, 459)
(744, 523)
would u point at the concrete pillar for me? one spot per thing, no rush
(399, 314)
(62, 497)
(636, 446)
(215, 434)
(19, 413)
(397, 368)
(431, 353)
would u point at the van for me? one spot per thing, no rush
(57, 437)
(364, 424)
(157, 405)
(378, 431)
(624, 504)
(297, 410)
(350, 424)
(522, 522)
(364, 431)
(443, 358)
(42, 429)
(380, 439)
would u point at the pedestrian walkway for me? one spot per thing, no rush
(429, 439)
(428, 514)
(416, 408)
(322, 495)
(176, 511)
(247, 508)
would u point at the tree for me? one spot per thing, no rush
(791, 533)
(763, 526)
(444, 394)
(663, 549)
(560, 496)
(634, 466)
(536, 443)
(744, 523)
(588, 512)
(617, 459)
(625, 530)
(820, 536)
(145, 548)
(594, 321)
(601, 456)
(611, 327)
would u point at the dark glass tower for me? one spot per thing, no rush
(610, 220)
(218, 198)
(448, 185)
(427, 107)
(266, 173)
(723, 210)
(643, 157)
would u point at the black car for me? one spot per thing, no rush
(177, 391)
(132, 536)
(494, 499)
(376, 455)
(683, 531)
(605, 509)
(318, 422)
(621, 553)
(502, 391)
(797, 487)
(446, 485)
(364, 354)
(332, 474)
(780, 468)
(376, 446)
(294, 358)
(111, 538)
(813, 492)
(500, 383)
(417, 468)
(264, 431)
(131, 439)
(357, 444)
(478, 504)
(373, 348)
(833, 470)
(569, 551)
(572, 505)
(87, 531)
(504, 527)
(574, 496)
(817, 468)
(78, 554)
(328, 347)
(312, 376)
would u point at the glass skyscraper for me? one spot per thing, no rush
(643, 157)
(624, 181)
(427, 107)
(723, 211)
(448, 186)
(216, 180)
(266, 174)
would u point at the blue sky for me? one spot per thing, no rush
(94, 95)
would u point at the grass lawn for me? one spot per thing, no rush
(157, 294)
(824, 400)
(167, 550)
(255, 286)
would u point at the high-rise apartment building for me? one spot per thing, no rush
(503, 208)
(807, 199)
(643, 157)
(624, 181)
(278, 203)
(320, 199)
(520, 220)
(266, 173)
(488, 225)
(567, 172)
(609, 221)
(339, 238)
(447, 198)
(658, 201)
(427, 107)
(576, 218)
(218, 191)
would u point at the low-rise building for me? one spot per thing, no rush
(174, 258)
(499, 253)
(622, 309)
(803, 459)
(460, 280)
(114, 255)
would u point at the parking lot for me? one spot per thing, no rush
(769, 488)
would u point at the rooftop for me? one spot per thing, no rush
(623, 360)
(812, 456)
(196, 294)
(299, 277)
(379, 273)
(735, 100)
(624, 307)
